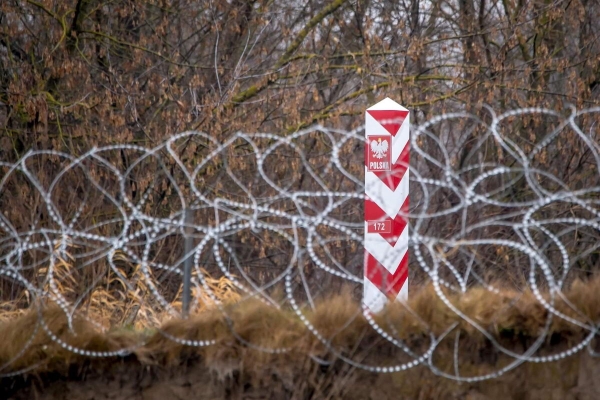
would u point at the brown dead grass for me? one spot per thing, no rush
(247, 334)
(118, 299)
(514, 319)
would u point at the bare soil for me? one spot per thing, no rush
(574, 379)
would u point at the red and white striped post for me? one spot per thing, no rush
(386, 195)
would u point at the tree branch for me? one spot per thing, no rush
(286, 57)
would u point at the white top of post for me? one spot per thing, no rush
(387, 104)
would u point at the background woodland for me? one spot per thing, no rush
(81, 73)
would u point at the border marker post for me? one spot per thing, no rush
(386, 201)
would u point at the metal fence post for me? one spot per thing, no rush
(187, 263)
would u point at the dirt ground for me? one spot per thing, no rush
(575, 379)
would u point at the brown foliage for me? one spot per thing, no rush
(78, 73)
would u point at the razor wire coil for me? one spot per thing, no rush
(522, 189)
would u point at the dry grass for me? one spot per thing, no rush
(120, 298)
(514, 319)
(123, 315)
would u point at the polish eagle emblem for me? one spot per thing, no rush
(379, 148)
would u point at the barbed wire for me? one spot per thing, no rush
(491, 201)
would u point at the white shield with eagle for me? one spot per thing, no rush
(379, 155)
